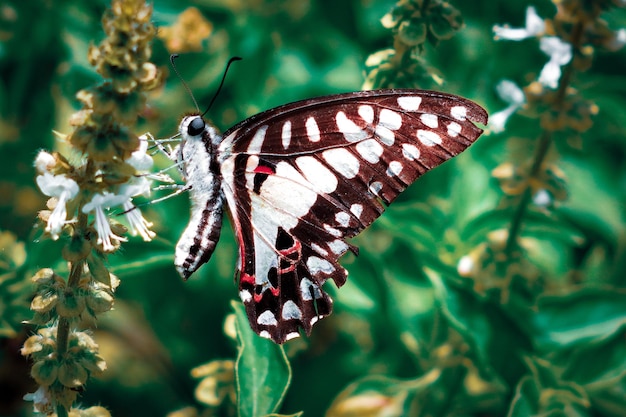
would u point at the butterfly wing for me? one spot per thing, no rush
(301, 178)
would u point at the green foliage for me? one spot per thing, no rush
(534, 327)
(262, 370)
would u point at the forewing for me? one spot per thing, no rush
(301, 178)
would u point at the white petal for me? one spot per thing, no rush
(139, 159)
(55, 185)
(57, 220)
(498, 120)
(465, 266)
(44, 162)
(136, 186)
(559, 52)
(104, 200)
(137, 224)
(550, 75)
(510, 92)
(542, 198)
(103, 228)
(534, 26)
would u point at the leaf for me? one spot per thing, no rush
(587, 316)
(379, 396)
(544, 393)
(495, 334)
(262, 370)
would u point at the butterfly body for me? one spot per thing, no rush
(301, 178)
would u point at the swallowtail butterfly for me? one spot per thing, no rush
(300, 179)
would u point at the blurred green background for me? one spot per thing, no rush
(390, 318)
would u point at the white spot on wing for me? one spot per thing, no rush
(430, 120)
(385, 135)
(265, 334)
(251, 163)
(317, 265)
(317, 174)
(291, 311)
(286, 134)
(312, 130)
(394, 168)
(267, 318)
(459, 112)
(356, 209)
(428, 137)
(390, 119)
(343, 218)
(370, 150)
(454, 129)
(283, 199)
(410, 151)
(292, 335)
(317, 248)
(342, 161)
(332, 230)
(375, 187)
(409, 103)
(350, 130)
(245, 295)
(308, 289)
(289, 193)
(338, 246)
(254, 148)
(367, 113)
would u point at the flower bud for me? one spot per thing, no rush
(45, 372)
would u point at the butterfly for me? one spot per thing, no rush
(300, 179)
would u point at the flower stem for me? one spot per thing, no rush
(63, 328)
(543, 146)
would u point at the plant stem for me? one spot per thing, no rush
(543, 145)
(63, 328)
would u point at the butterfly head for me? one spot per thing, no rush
(193, 128)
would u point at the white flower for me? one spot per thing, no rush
(514, 96)
(97, 205)
(465, 267)
(44, 162)
(137, 224)
(41, 400)
(138, 185)
(534, 26)
(560, 54)
(63, 189)
(542, 198)
(139, 159)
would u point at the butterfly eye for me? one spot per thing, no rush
(195, 127)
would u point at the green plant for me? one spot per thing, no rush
(493, 286)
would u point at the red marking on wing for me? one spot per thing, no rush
(296, 248)
(263, 170)
(247, 278)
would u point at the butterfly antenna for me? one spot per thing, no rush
(230, 61)
(182, 80)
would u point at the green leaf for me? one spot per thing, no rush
(583, 317)
(380, 395)
(544, 393)
(485, 326)
(262, 370)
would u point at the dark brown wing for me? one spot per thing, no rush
(301, 178)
